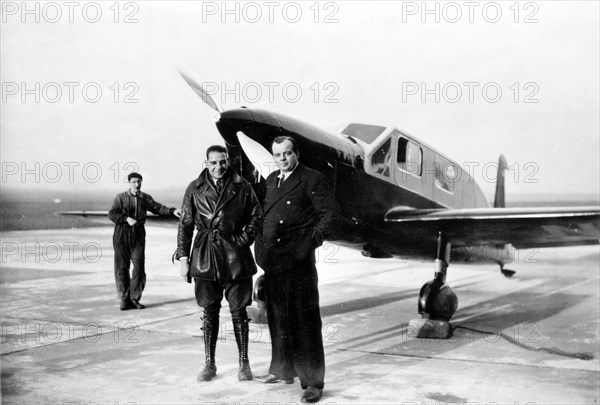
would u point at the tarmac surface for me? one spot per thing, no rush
(532, 339)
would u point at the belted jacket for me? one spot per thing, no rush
(226, 225)
(299, 215)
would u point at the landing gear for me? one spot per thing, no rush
(437, 301)
(258, 314)
(506, 272)
(372, 251)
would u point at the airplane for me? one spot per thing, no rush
(399, 196)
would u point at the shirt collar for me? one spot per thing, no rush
(286, 175)
(223, 179)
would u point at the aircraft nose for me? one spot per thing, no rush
(261, 126)
(232, 121)
(237, 114)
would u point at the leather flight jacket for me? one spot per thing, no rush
(227, 224)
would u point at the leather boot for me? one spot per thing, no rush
(240, 329)
(210, 325)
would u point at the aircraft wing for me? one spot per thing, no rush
(522, 227)
(101, 217)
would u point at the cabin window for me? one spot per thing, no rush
(366, 133)
(381, 158)
(410, 157)
(445, 174)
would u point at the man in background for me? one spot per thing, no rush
(128, 212)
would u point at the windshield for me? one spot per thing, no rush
(366, 133)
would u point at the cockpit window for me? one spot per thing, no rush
(366, 133)
(410, 157)
(382, 157)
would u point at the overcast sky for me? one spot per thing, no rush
(91, 90)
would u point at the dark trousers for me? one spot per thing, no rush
(292, 301)
(209, 295)
(129, 243)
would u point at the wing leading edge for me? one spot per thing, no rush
(101, 217)
(522, 227)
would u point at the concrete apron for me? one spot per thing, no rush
(64, 338)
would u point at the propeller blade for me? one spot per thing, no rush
(261, 159)
(192, 80)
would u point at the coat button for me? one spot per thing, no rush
(288, 202)
(281, 221)
(278, 239)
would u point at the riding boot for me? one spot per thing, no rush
(210, 325)
(240, 329)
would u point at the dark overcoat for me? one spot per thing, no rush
(299, 215)
(227, 225)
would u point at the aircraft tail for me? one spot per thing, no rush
(499, 197)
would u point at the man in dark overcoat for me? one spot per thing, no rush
(300, 212)
(225, 211)
(128, 212)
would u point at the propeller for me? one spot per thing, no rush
(261, 159)
(192, 79)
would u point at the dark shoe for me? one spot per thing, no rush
(137, 304)
(312, 394)
(210, 370)
(127, 304)
(272, 379)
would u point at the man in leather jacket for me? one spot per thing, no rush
(224, 209)
(128, 212)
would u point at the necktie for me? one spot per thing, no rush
(219, 185)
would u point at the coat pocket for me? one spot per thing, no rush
(203, 261)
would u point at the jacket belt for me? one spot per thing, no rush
(215, 232)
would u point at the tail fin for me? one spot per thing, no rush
(499, 197)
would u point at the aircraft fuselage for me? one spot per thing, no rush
(365, 182)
